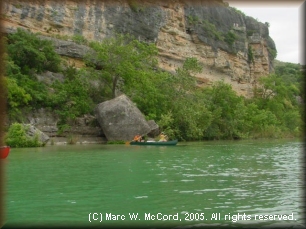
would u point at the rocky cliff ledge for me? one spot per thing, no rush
(231, 46)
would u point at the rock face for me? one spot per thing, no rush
(33, 132)
(232, 46)
(44, 120)
(68, 48)
(120, 119)
(84, 129)
(154, 129)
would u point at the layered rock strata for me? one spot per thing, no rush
(232, 46)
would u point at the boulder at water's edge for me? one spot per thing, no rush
(120, 119)
(154, 129)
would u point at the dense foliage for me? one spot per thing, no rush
(71, 98)
(17, 137)
(32, 54)
(28, 55)
(183, 110)
(122, 58)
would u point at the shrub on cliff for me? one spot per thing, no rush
(17, 95)
(24, 91)
(28, 55)
(31, 53)
(230, 38)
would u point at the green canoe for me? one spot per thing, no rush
(168, 143)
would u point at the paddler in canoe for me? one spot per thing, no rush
(162, 140)
(137, 138)
(163, 137)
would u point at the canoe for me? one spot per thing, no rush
(151, 143)
(4, 151)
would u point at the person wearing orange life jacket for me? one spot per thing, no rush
(137, 138)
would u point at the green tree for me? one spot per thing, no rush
(149, 93)
(159, 92)
(35, 89)
(273, 87)
(168, 125)
(121, 59)
(259, 122)
(31, 53)
(188, 112)
(228, 111)
(17, 97)
(26, 56)
(191, 117)
(70, 98)
(279, 97)
(230, 37)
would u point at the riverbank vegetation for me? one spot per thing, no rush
(17, 137)
(182, 109)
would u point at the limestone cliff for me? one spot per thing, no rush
(231, 46)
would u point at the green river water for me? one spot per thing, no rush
(230, 183)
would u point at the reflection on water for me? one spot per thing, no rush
(65, 184)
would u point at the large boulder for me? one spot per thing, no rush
(120, 119)
(154, 129)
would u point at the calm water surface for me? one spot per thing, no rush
(199, 183)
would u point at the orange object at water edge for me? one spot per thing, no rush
(4, 151)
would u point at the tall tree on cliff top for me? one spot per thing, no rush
(121, 58)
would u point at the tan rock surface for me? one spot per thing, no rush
(95, 20)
